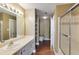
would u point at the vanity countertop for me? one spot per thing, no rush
(18, 44)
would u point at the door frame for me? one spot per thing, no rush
(13, 20)
(52, 28)
(1, 22)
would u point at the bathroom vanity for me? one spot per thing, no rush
(13, 40)
(21, 46)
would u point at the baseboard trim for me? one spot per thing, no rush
(59, 52)
(46, 38)
(55, 51)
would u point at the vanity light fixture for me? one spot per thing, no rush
(10, 8)
(21, 13)
(13, 9)
(3, 4)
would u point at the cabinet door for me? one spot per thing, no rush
(28, 49)
(24, 51)
(33, 45)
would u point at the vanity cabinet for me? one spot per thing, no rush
(27, 49)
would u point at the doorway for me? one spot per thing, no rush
(12, 28)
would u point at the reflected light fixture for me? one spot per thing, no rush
(45, 17)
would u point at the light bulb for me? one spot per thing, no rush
(45, 17)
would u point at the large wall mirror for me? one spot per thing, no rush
(11, 25)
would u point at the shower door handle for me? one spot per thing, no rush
(65, 35)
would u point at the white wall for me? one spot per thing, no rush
(20, 25)
(52, 32)
(44, 28)
(30, 21)
(41, 27)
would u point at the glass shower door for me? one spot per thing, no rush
(69, 32)
(65, 33)
(75, 31)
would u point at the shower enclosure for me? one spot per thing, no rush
(69, 31)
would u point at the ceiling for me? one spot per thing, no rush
(45, 7)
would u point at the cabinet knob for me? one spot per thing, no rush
(24, 50)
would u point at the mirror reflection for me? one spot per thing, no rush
(7, 26)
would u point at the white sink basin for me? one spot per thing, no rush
(9, 47)
(16, 42)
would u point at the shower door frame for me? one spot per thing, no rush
(59, 27)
